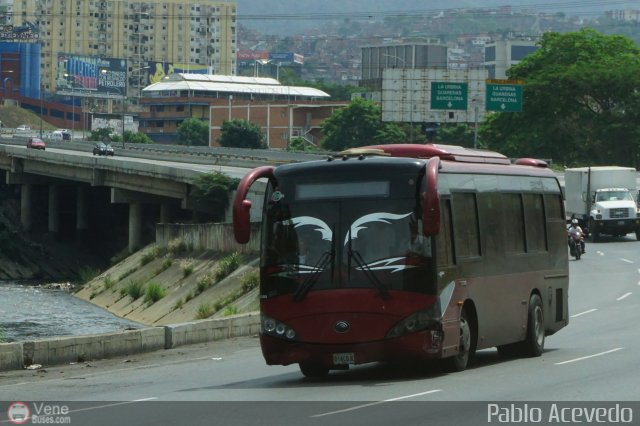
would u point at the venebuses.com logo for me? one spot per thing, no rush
(18, 413)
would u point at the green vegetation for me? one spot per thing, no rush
(127, 273)
(230, 310)
(87, 273)
(109, 283)
(166, 264)
(177, 246)
(241, 134)
(150, 255)
(300, 144)
(3, 335)
(581, 102)
(187, 267)
(204, 311)
(359, 124)
(194, 132)
(205, 281)
(179, 304)
(227, 265)
(133, 289)
(249, 281)
(212, 191)
(153, 293)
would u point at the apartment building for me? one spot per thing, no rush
(182, 35)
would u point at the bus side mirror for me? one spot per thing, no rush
(431, 199)
(242, 206)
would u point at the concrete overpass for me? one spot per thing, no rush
(133, 181)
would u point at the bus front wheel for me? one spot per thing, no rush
(313, 370)
(465, 351)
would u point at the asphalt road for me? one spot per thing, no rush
(591, 364)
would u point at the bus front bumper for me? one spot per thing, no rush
(422, 345)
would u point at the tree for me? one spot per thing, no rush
(298, 144)
(193, 132)
(241, 134)
(211, 192)
(581, 102)
(136, 137)
(358, 124)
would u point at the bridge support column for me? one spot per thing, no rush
(25, 206)
(54, 211)
(82, 224)
(135, 226)
(165, 213)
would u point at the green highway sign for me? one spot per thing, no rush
(504, 97)
(447, 95)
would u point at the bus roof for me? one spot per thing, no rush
(445, 152)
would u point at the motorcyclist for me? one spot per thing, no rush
(575, 232)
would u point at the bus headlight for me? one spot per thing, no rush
(415, 322)
(276, 328)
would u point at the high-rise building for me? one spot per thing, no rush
(149, 36)
(500, 55)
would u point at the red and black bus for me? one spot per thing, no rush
(407, 252)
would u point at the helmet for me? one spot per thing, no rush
(574, 221)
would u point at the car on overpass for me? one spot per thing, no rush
(36, 143)
(101, 148)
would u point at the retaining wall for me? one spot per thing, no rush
(62, 350)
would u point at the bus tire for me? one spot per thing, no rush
(638, 234)
(533, 345)
(313, 370)
(466, 350)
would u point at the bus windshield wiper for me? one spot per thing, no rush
(364, 267)
(326, 258)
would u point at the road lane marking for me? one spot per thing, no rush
(626, 260)
(588, 356)
(600, 253)
(145, 399)
(371, 404)
(584, 313)
(624, 296)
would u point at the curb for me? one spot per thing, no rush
(63, 350)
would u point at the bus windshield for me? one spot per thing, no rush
(319, 243)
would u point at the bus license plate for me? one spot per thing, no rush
(344, 358)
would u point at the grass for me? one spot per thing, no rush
(227, 265)
(204, 311)
(249, 281)
(109, 282)
(230, 310)
(133, 289)
(153, 293)
(187, 267)
(87, 273)
(177, 246)
(205, 281)
(150, 255)
(179, 304)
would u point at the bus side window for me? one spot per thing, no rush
(444, 241)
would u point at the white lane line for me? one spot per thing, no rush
(145, 399)
(624, 296)
(357, 407)
(584, 313)
(589, 356)
(115, 404)
(600, 253)
(626, 260)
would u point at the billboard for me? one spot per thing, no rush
(27, 33)
(91, 75)
(159, 70)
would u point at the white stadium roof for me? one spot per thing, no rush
(230, 84)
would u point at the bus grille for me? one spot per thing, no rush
(618, 213)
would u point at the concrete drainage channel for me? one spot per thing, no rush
(63, 350)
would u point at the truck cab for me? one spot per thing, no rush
(613, 212)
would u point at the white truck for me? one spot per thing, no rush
(603, 199)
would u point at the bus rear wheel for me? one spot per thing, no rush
(461, 360)
(313, 370)
(533, 345)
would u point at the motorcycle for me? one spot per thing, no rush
(576, 245)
